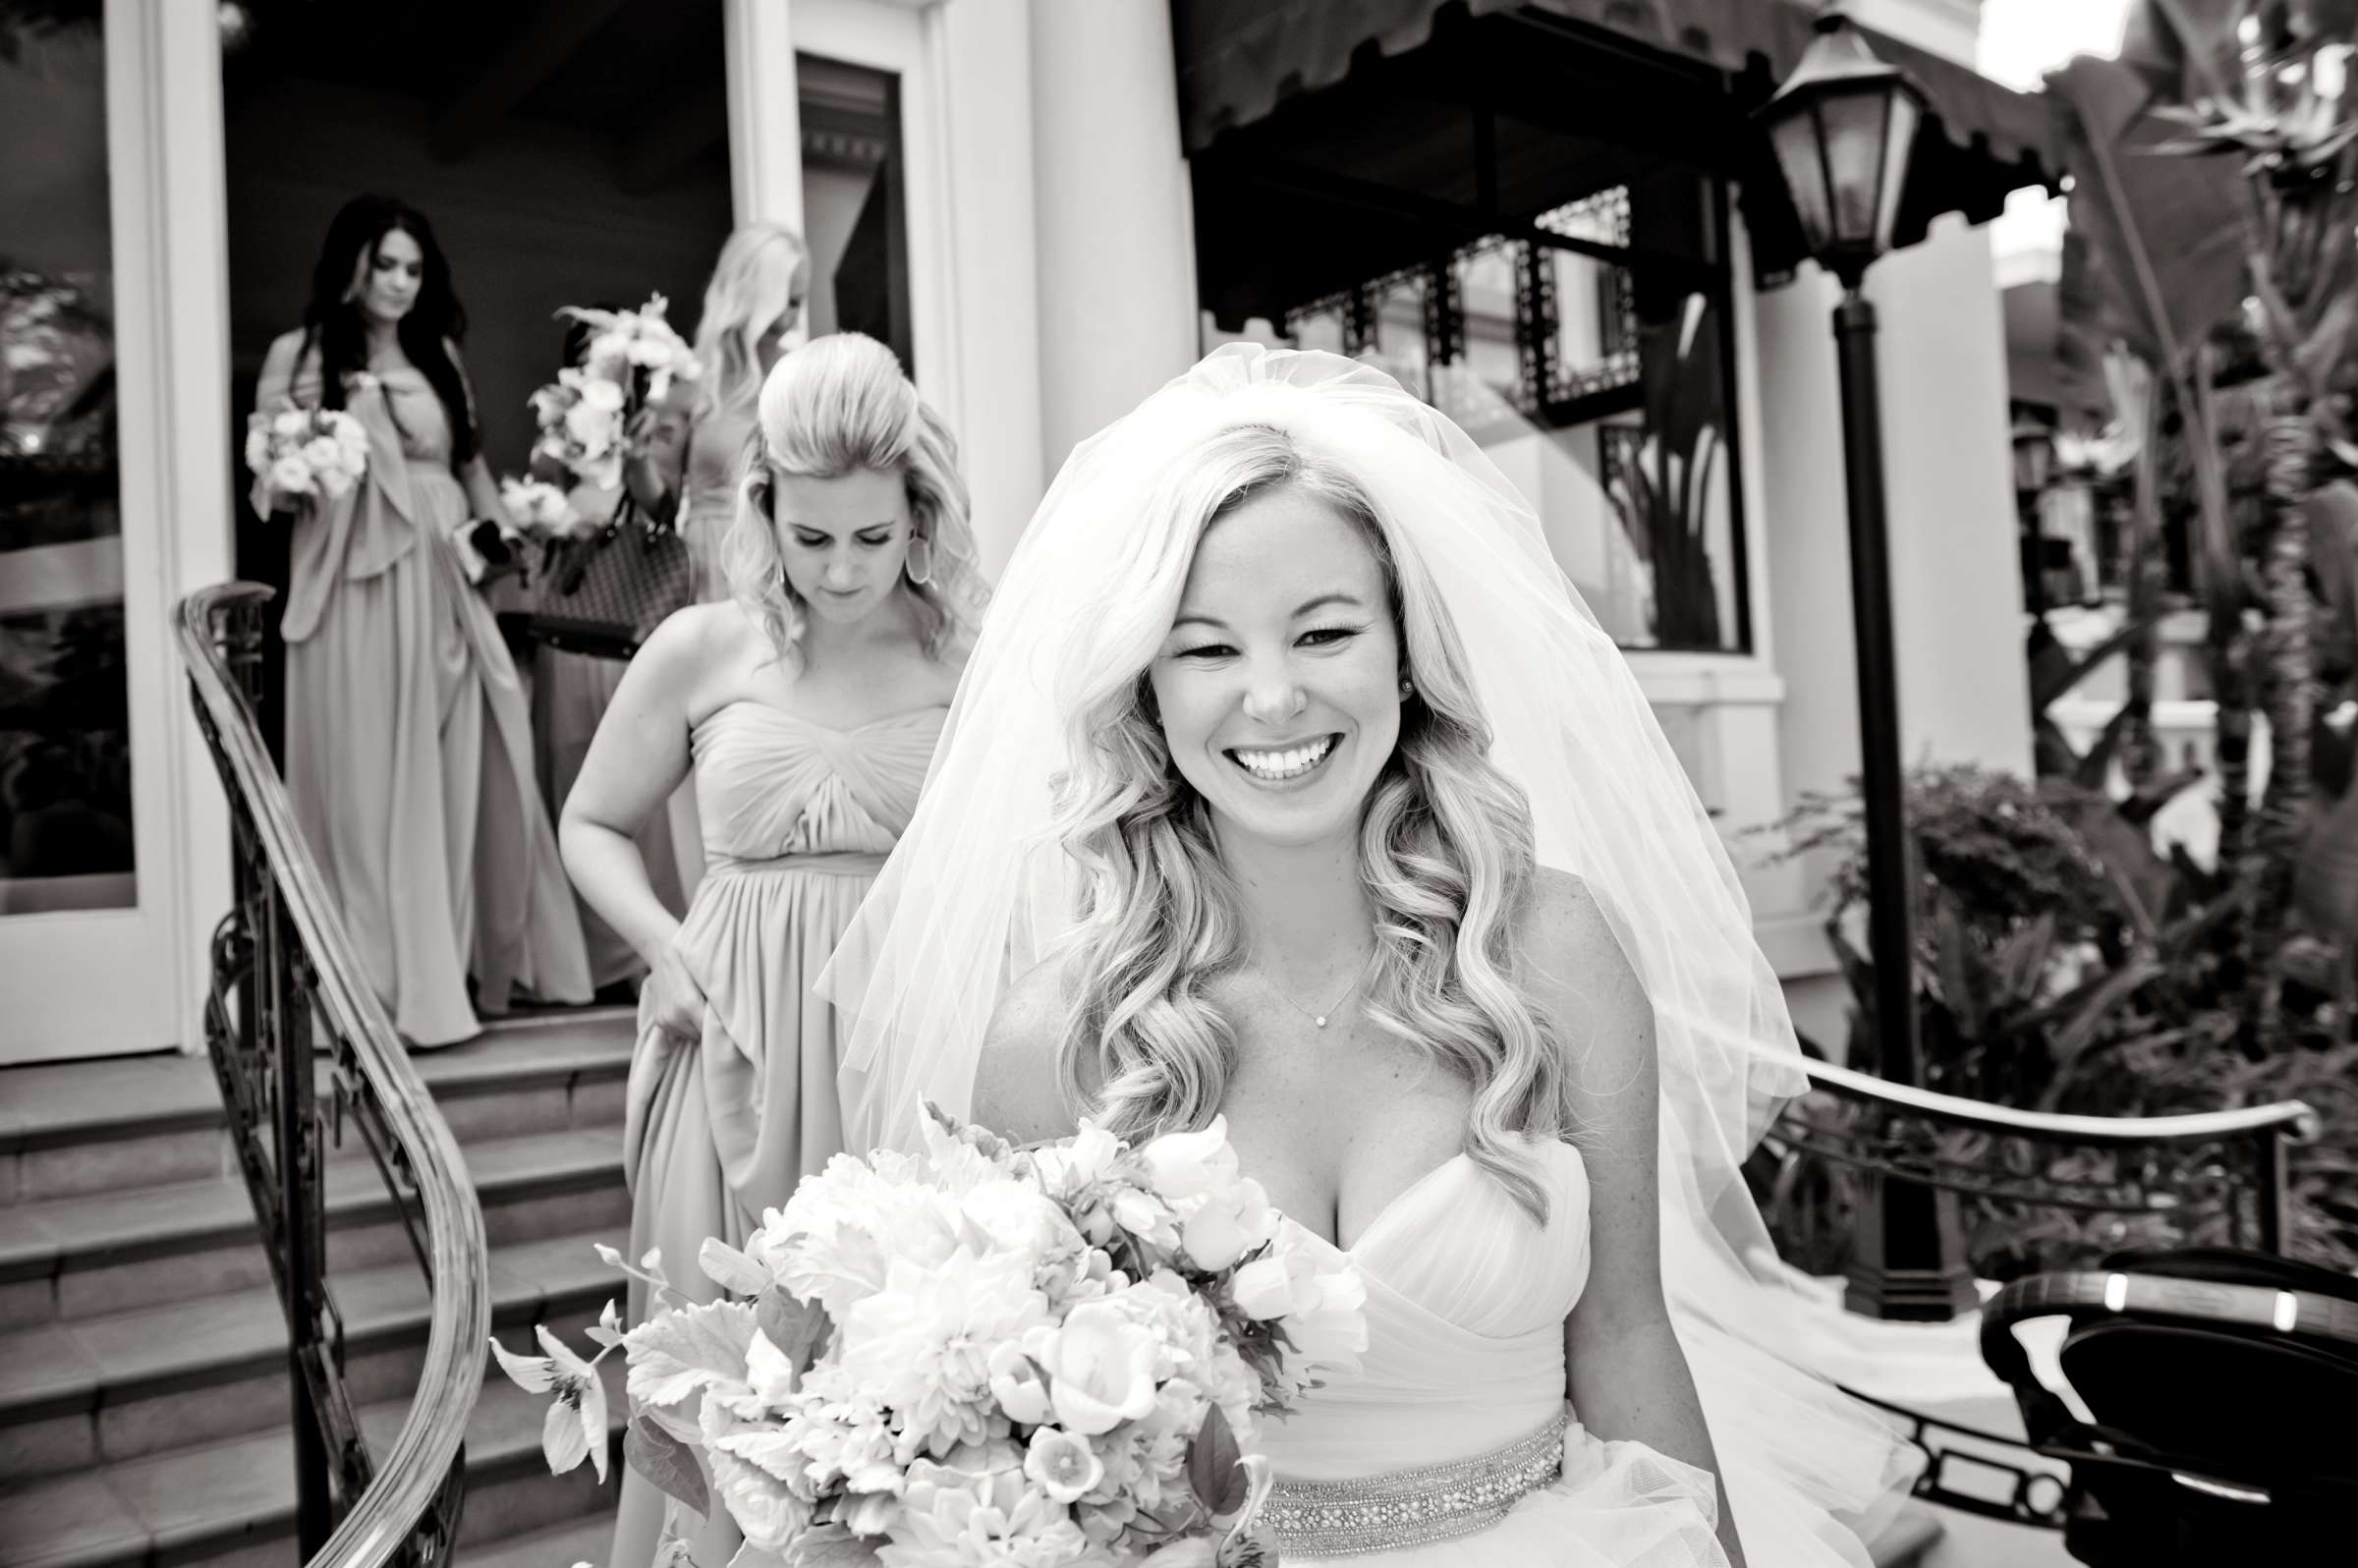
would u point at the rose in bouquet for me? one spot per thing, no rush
(592, 417)
(976, 1354)
(542, 511)
(303, 454)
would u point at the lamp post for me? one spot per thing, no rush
(1842, 127)
(2033, 468)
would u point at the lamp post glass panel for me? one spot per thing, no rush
(2034, 470)
(1843, 127)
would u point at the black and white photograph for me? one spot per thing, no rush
(1178, 783)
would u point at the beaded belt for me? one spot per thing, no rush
(1411, 1508)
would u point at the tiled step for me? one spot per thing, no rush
(231, 1502)
(77, 1128)
(155, 1377)
(75, 1257)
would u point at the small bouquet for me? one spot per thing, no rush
(589, 416)
(542, 511)
(978, 1354)
(303, 454)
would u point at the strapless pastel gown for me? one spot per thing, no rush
(797, 819)
(1467, 1297)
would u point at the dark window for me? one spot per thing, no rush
(1592, 356)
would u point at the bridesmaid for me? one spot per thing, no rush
(409, 741)
(752, 312)
(570, 695)
(807, 708)
(687, 470)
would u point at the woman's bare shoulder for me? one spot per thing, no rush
(1019, 1090)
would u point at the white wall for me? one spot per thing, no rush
(1116, 240)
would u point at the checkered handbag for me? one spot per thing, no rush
(606, 593)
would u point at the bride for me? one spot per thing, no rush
(1290, 782)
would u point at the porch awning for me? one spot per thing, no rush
(1268, 84)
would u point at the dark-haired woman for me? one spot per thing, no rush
(409, 737)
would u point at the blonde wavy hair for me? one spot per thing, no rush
(838, 404)
(749, 292)
(1445, 853)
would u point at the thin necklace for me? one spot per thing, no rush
(1320, 1017)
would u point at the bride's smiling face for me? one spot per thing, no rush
(1278, 684)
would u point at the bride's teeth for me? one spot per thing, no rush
(1279, 764)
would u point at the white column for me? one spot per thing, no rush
(1115, 224)
(171, 246)
(766, 119)
(985, 55)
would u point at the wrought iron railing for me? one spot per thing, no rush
(2212, 1178)
(303, 1050)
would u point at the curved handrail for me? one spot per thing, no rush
(2295, 1119)
(415, 1473)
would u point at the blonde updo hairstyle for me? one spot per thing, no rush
(1446, 850)
(836, 406)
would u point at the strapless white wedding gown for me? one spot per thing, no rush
(1463, 1376)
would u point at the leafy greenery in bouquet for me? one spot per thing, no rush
(976, 1354)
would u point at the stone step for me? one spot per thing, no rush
(72, 1258)
(73, 1129)
(586, 1540)
(157, 1378)
(230, 1503)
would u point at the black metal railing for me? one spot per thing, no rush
(2066, 1190)
(303, 1050)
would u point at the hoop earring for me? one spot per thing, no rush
(918, 567)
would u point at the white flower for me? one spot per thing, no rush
(1182, 1166)
(975, 1508)
(322, 454)
(1286, 1281)
(541, 506)
(1063, 1465)
(1144, 1216)
(575, 1428)
(608, 351)
(290, 475)
(1015, 1383)
(351, 435)
(1100, 1367)
(592, 427)
(258, 448)
(291, 424)
(550, 403)
(1323, 1320)
(1087, 1157)
(922, 1344)
(1226, 1223)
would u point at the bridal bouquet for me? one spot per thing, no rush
(589, 417)
(303, 454)
(978, 1354)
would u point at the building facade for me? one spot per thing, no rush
(1034, 201)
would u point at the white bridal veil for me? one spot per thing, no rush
(976, 890)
